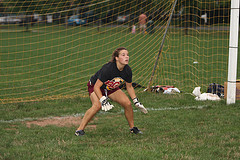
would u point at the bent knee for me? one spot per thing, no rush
(96, 107)
(126, 104)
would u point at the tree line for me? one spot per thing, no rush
(51, 6)
(192, 8)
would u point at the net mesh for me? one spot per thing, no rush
(49, 49)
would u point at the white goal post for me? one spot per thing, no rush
(233, 52)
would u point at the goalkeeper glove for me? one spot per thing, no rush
(105, 104)
(139, 105)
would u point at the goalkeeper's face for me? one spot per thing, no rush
(123, 57)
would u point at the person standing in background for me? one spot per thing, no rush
(142, 22)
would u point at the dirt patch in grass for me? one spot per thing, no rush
(69, 121)
(13, 128)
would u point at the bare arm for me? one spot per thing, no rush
(103, 99)
(130, 90)
(97, 90)
(132, 94)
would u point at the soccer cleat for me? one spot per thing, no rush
(135, 130)
(79, 133)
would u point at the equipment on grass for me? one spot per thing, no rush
(139, 105)
(164, 89)
(204, 96)
(105, 104)
(215, 88)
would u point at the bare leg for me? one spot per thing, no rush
(120, 97)
(96, 106)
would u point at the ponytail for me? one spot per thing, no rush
(116, 53)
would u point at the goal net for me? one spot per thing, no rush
(49, 49)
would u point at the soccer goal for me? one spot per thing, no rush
(50, 49)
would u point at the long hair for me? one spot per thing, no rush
(116, 53)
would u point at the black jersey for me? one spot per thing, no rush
(111, 76)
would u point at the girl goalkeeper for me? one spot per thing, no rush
(105, 84)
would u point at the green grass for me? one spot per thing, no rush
(176, 127)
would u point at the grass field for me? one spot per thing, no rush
(176, 127)
(53, 62)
